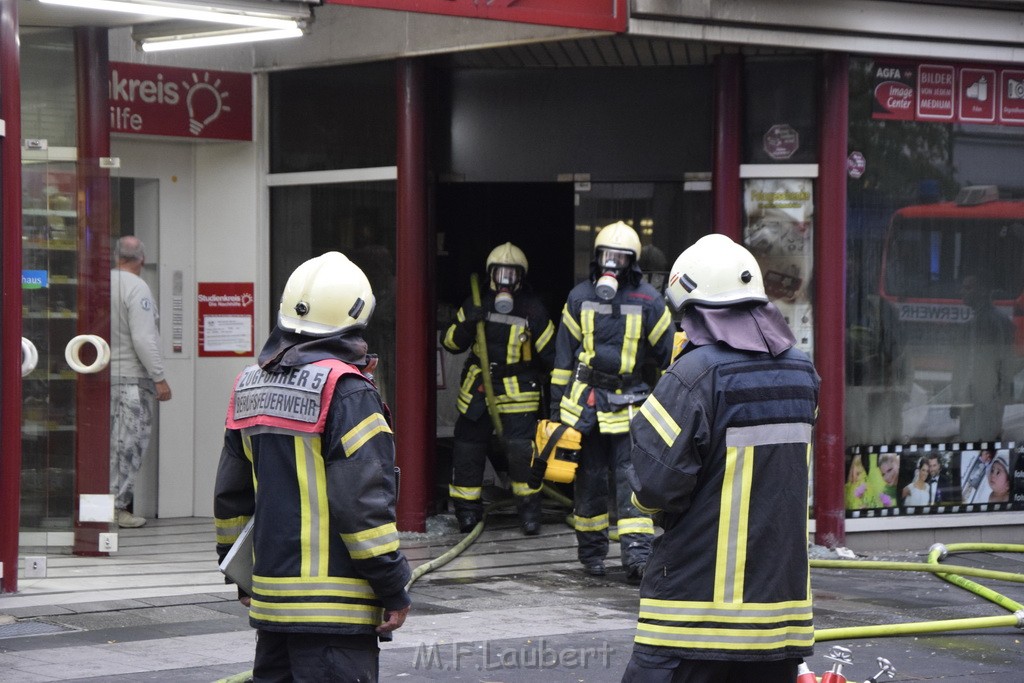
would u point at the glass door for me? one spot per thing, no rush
(50, 282)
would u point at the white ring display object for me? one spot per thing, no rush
(29, 356)
(76, 344)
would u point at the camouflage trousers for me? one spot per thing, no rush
(131, 424)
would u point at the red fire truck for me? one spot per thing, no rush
(930, 249)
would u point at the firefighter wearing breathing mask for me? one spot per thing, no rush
(611, 325)
(519, 336)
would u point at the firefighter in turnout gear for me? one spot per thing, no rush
(519, 350)
(309, 455)
(721, 453)
(611, 325)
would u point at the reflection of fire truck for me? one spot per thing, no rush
(929, 250)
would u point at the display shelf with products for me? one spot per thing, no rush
(50, 292)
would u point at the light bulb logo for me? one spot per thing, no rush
(205, 102)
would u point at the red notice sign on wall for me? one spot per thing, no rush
(602, 15)
(193, 103)
(225, 311)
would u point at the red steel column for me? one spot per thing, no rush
(92, 400)
(726, 194)
(415, 427)
(10, 281)
(830, 304)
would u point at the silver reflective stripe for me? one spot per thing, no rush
(736, 531)
(506, 319)
(312, 520)
(372, 546)
(607, 309)
(267, 429)
(762, 435)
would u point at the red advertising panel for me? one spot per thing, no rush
(894, 92)
(1011, 100)
(978, 95)
(194, 103)
(953, 93)
(602, 15)
(936, 88)
(226, 311)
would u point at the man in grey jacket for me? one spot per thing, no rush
(136, 373)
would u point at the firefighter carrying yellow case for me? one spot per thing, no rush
(556, 453)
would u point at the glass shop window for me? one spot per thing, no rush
(935, 267)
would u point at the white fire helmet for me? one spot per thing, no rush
(616, 249)
(715, 271)
(326, 295)
(506, 266)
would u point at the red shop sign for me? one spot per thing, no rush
(603, 15)
(194, 103)
(225, 324)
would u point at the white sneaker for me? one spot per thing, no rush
(127, 520)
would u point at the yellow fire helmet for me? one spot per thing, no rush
(506, 266)
(326, 295)
(618, 236)
(715, 271)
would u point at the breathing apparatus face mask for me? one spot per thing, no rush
(612, 264)
(504, 281)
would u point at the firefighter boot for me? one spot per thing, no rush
(529, 513)
(465, 490)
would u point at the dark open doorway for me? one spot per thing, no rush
(473, 218)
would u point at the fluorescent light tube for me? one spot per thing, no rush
(210, 13)
(198, 40)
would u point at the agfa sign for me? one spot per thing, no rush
(193, 103)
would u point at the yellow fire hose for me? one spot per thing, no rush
(485, 364)
(953, 574)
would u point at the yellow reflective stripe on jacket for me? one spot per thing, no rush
(663, 423)
(737, 613)
(571, 325)
(634, 323)
(616, 422)
(732, 528)
(298, 586)
(545, 337)
(372, 542)
(642, 508)
(464, 492)
(315, 612)
(763, 626)
(314, 521)
(449, 336)
(228, 530)
(560, 377)
(364, 431)
(597, 523)
(636, 525)
(660, 328)
(587, 352)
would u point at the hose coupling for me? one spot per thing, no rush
(940, 548)
(1020, 618)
